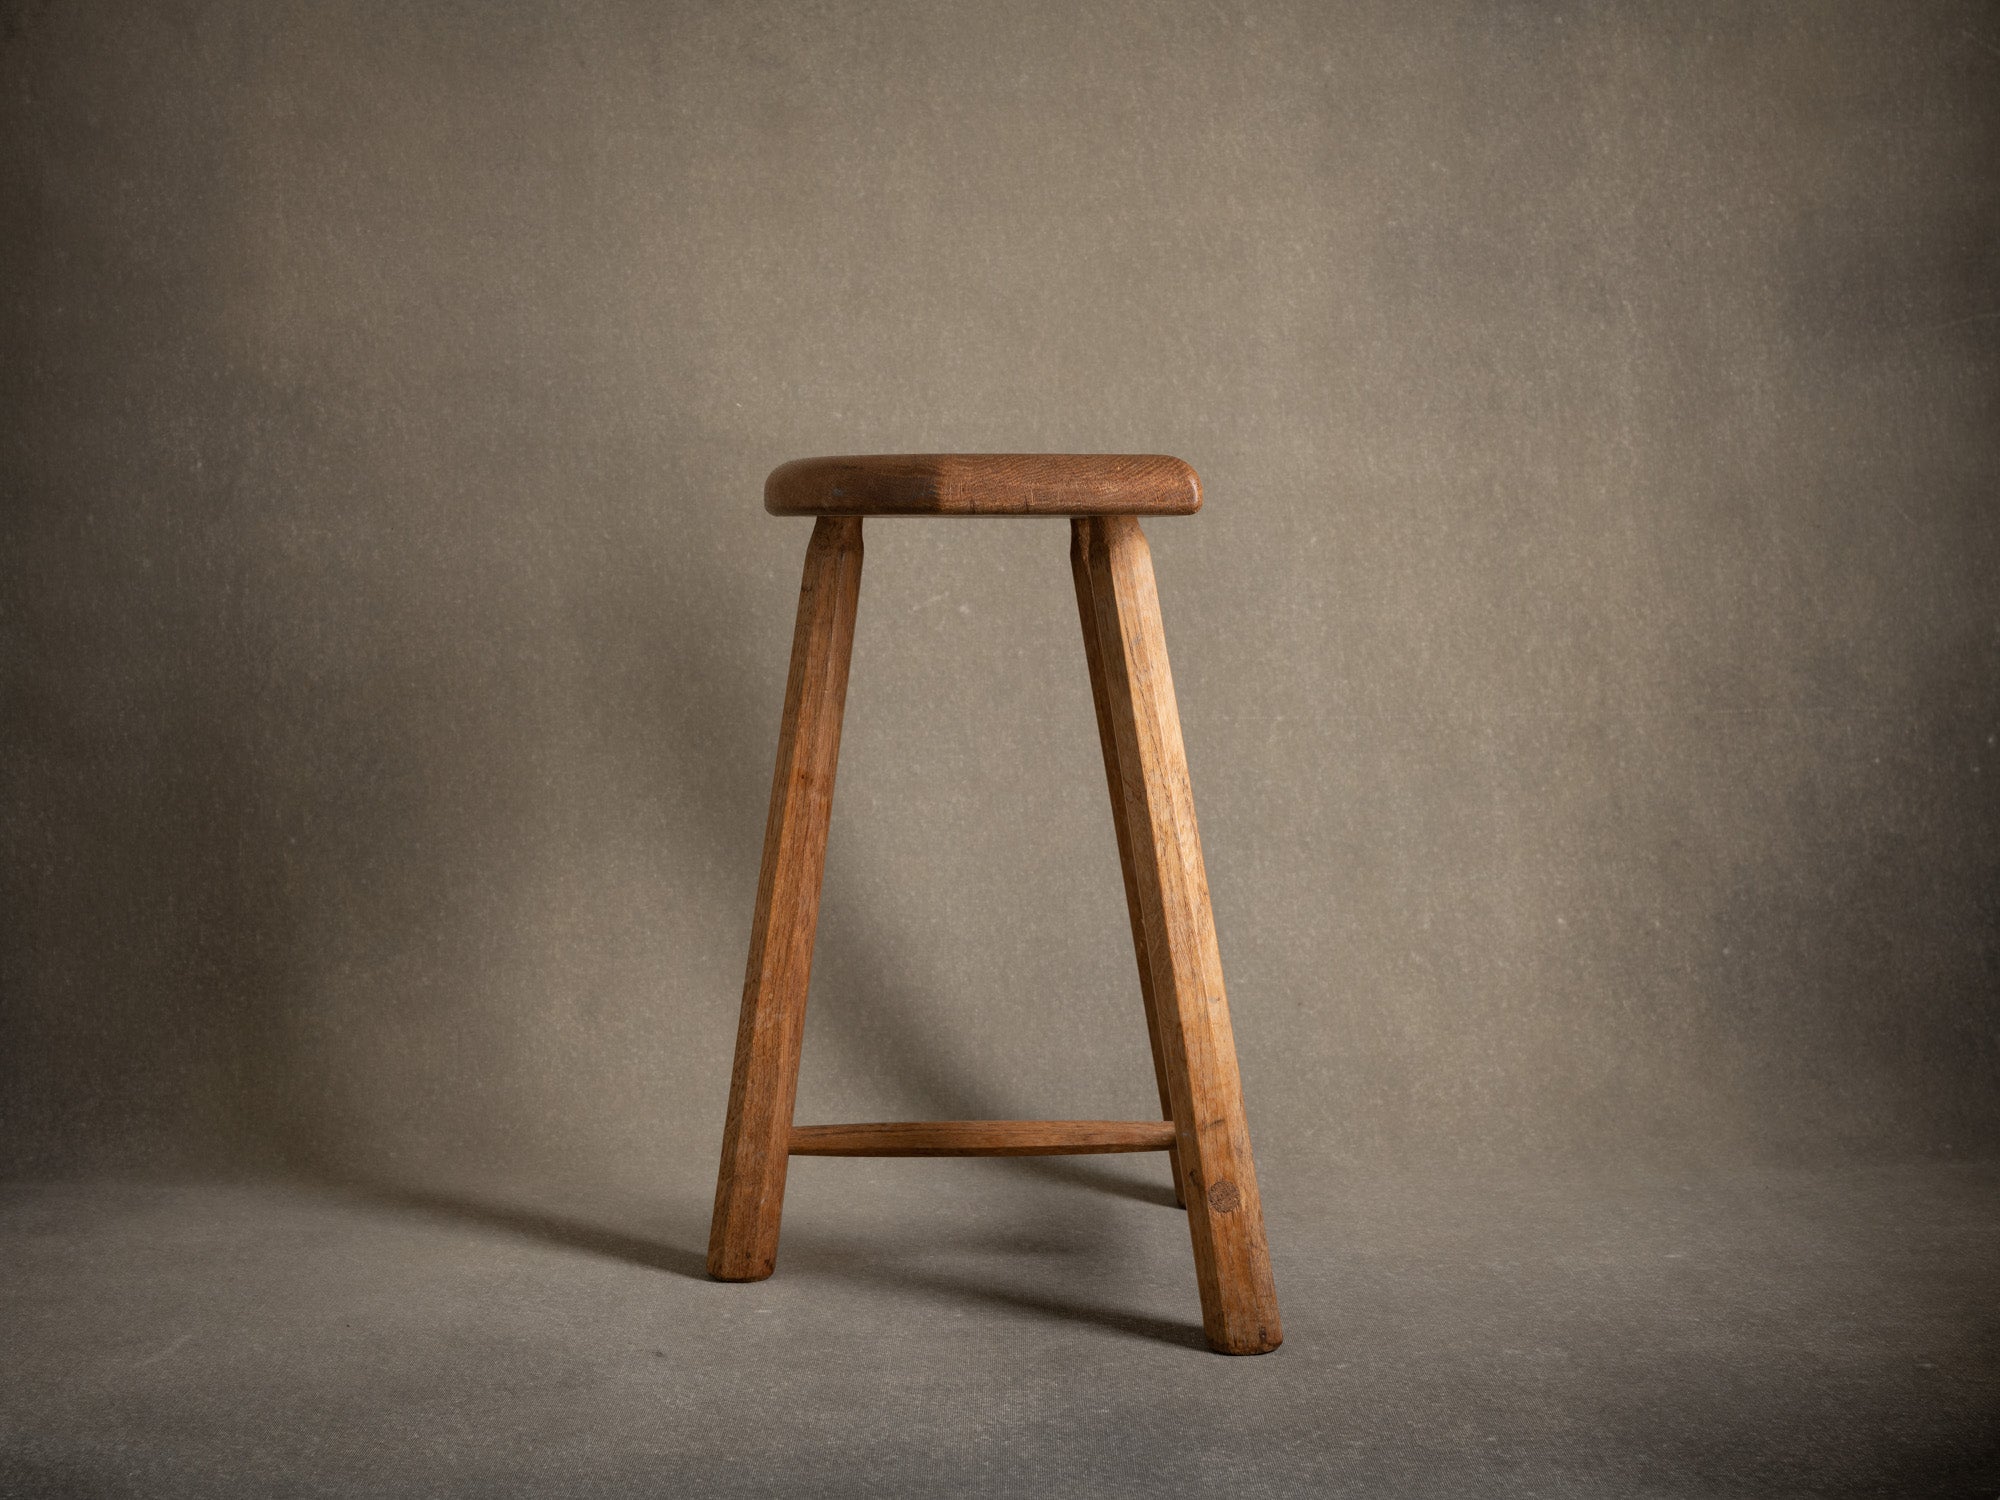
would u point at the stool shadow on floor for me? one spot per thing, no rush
(817, 1258)
(563, 1231)
(678, 1248)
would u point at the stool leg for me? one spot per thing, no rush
(756, 1140)
(1079, 563)
(1239, 1304)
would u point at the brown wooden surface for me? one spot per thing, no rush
(1239, 1302)
(983, 1138)
(756, 1141)
(984, 484)
(1079, 563)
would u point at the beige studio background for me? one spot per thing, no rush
(1587, 653)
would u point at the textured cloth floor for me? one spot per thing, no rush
(1008, 1329)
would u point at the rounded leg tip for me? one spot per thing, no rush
(723, 1268)
(1259, 1340)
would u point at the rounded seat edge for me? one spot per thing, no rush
(984, 484)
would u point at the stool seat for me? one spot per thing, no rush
(984, 484)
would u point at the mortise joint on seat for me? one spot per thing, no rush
(984, 484)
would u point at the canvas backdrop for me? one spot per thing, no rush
(1587, 652)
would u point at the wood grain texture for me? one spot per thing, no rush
(983, 1138)
(1239, 1303)
(984, 484)
(756, 1138)
(1107, 740)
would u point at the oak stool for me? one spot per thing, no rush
(1152, 811)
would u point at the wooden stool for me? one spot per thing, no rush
(1152, 809)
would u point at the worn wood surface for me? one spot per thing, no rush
(756, 1142)
(984, 484)
(1107, 740)
(983, 1138)
(1239, 1302)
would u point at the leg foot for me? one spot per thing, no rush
(1239, 1303)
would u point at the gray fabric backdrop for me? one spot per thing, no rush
(1588, 653)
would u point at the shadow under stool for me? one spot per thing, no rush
(1152, 808)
